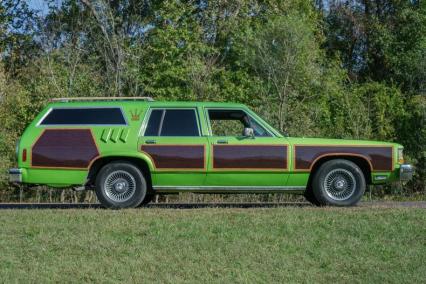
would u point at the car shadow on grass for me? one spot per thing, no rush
(364, 204)
(153, 205)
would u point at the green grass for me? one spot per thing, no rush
(214, 245)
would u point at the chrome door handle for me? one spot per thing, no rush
(222, 141)
(150, 142)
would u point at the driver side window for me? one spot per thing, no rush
(233, 122)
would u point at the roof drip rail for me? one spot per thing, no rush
(64, 100)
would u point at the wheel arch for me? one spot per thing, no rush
(361, 161)
(143, 163)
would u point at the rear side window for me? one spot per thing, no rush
(172, 122)
(84, 116)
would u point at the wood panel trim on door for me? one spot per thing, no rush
(277, 162)
(176, 157)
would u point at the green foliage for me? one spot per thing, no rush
(380, 40)
(17, 32)
(284, 54)
(383, 108)
(413, 136)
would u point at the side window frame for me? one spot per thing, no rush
(210, 130)
(40, 121)
(148, 116)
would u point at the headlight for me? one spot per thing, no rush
(401, 155)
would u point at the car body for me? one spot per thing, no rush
(188, 146)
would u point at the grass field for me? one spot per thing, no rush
(214, 245)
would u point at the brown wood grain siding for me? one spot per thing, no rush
(184, 157)
(380, 158)
(261, 157)
(64, 148)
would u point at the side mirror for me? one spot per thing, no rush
(248, 132)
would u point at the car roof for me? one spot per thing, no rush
(130, 103)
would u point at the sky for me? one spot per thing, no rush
(41, 5)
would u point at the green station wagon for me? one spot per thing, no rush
(128, 149)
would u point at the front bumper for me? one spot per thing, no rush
(406, 172)
(15, 175)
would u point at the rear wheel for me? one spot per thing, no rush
(339, 183)
(120, 185)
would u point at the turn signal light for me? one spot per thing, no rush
(400, 156)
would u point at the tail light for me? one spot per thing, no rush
(24, 155)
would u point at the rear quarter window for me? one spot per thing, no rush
(84, 116)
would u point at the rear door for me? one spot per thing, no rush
(259, 162)
(172, 138)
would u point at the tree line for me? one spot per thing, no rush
(337, 68)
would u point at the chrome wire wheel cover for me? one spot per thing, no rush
(340, 184)
(119, 186)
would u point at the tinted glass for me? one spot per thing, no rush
(258, 129)
(153, 127)
(180, 122)
(84, 116)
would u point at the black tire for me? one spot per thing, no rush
(120, 185)
(310, 197)
(148, 198)
(338, 183)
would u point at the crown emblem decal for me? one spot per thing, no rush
(135, 114)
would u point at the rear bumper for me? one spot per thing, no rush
(15, 175)
(406, 172)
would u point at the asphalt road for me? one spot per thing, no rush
(372, 204)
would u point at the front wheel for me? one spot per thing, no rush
(338, 183)
(120, 185)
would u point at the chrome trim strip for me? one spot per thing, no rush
(171, 188)
(15, 175)
(160, 126)
(43, 117)
(15, 171)
(149, 99)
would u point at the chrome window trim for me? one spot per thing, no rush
(207, 117)
(148, 115)
(224, 188)
(43, 117)
(39, 123)
(160, 127)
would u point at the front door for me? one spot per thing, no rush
(257, 162)
(172, 139)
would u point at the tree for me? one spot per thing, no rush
(17, 35)
(380, 40)
(285, 54)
